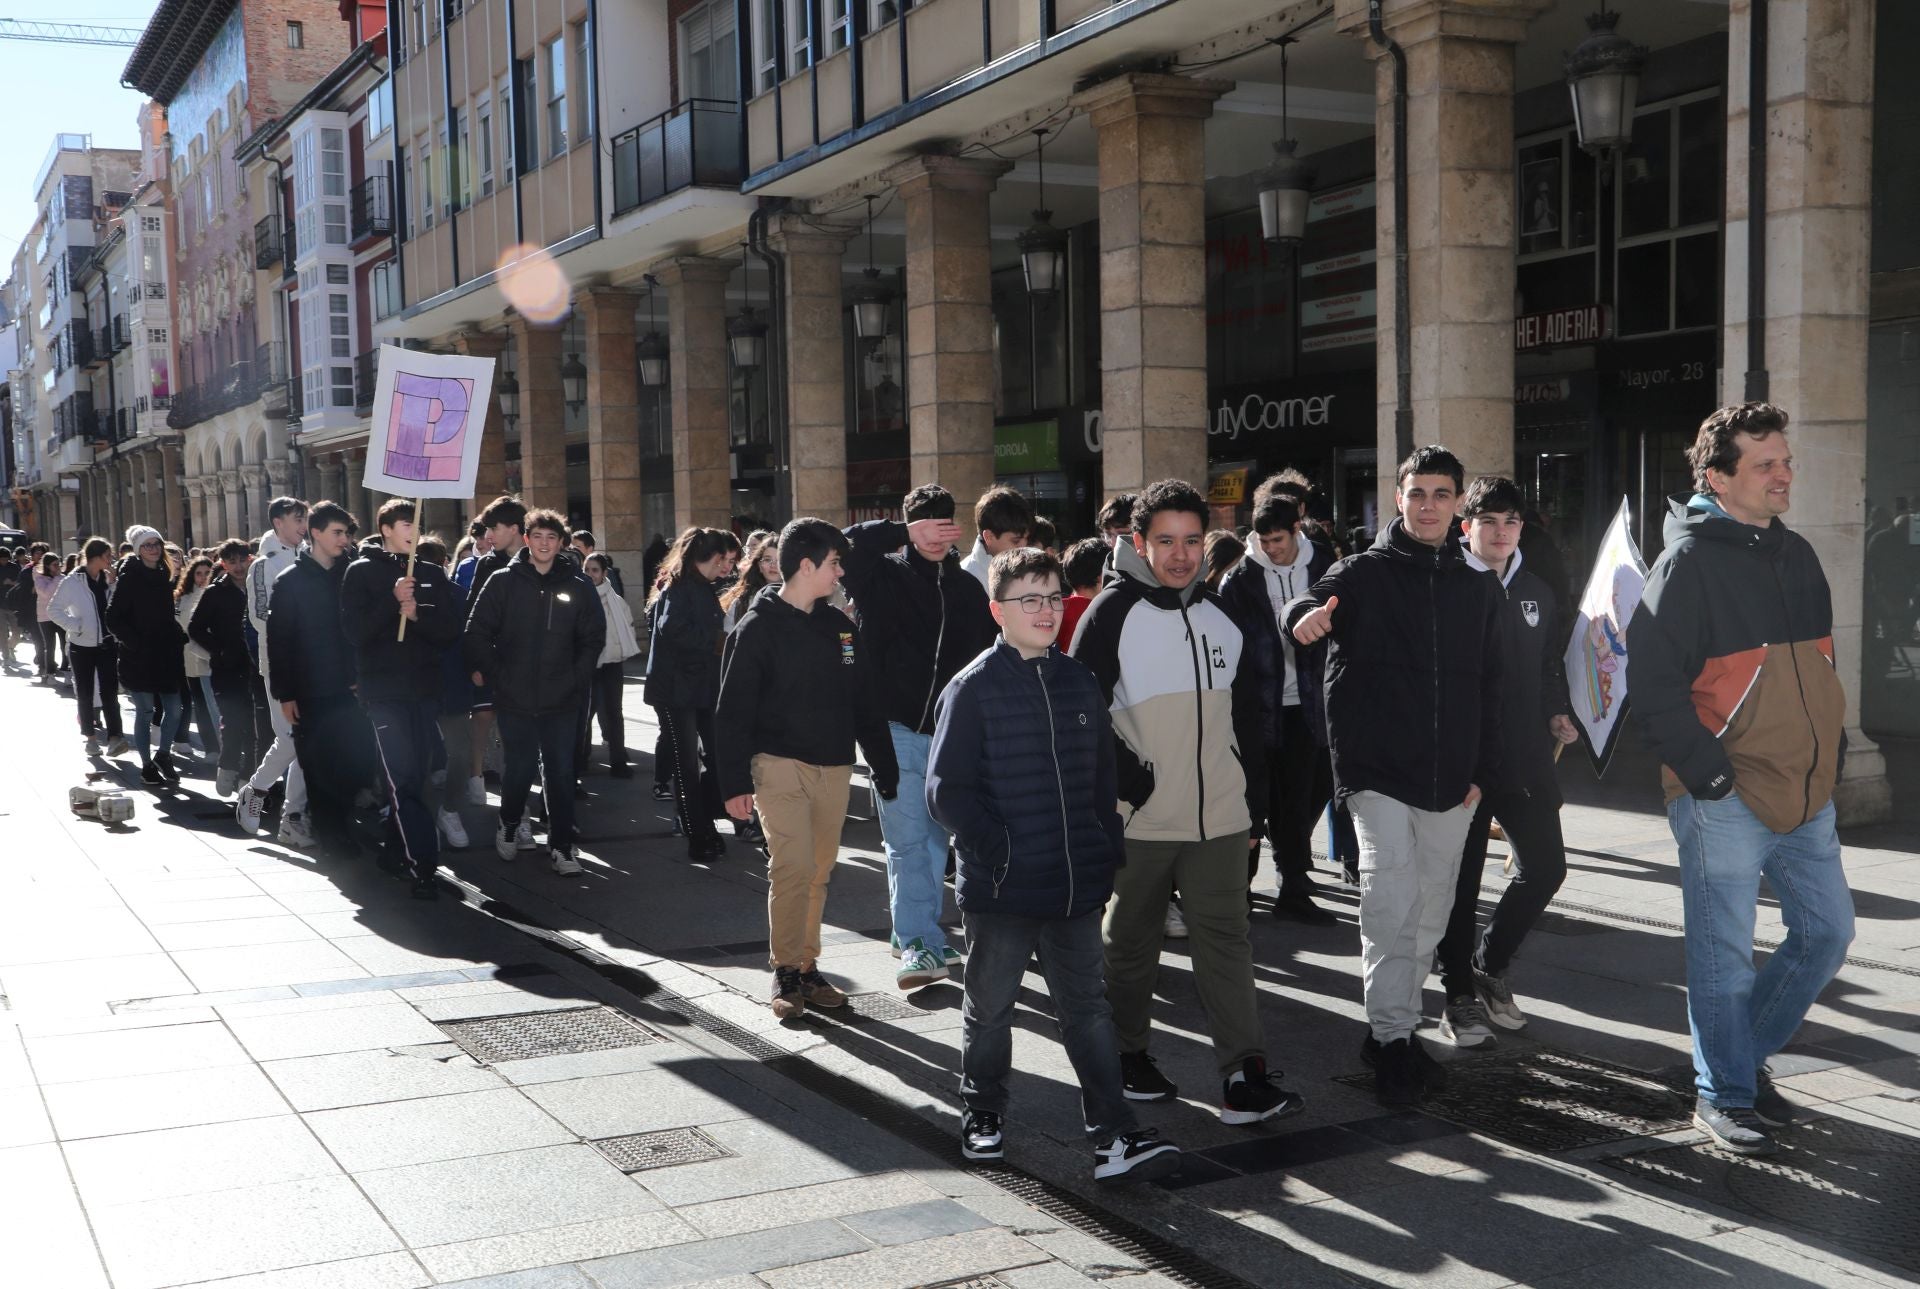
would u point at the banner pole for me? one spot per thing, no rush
(419, 506)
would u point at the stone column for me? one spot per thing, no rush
(172, 501)
(224, 519)
(543, 428)
(491, 480)
(1819, 194)
(697, 346)
(816, 368)
(949, 322)
(1151, 131)
(197, 509)
(1460, 227)
(613, 421)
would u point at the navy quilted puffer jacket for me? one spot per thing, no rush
(1022, 772)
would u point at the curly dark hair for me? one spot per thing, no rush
(1717, 445)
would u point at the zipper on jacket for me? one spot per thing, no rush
(1006, 863)
(1059, 782)
(1793, 652)
(939, 638)
(1433, 616)
(1199, 731)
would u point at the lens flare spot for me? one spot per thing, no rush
(534, 283)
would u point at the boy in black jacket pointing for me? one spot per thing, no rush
(795, 695)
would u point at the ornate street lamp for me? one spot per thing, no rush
(873, 298)
(508, 394)
(573, 380)
(1043, 248)
(746, 333)
(1603, 75)
(1287, 185)
(651, 351)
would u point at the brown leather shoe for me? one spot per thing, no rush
(789, 994)
(819, 991)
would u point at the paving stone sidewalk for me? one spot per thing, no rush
(222, 1064)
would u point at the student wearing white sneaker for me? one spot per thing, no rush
(1022, 770)
(278, 550)
(219, 627)
(1524, 797)
(81, 607)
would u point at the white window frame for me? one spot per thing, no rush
(460, 161)
(580, 35)
(799, 39)
(296, 35)
(558, 128)
(837, 15)
(702, 29)
(483, 141)
(427, 212)
(503, 117)
(766, 63)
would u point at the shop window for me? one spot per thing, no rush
(1250, 302)
(1669, 203)
(1696, 281)
(1642, 293)
(1558, 282)
(1031, 349)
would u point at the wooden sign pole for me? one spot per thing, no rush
(419, 505)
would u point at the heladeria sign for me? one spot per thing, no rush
(1560, 327)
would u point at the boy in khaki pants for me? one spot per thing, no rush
(795, 695)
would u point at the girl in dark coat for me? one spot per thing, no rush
(152, 666)
(683, 674)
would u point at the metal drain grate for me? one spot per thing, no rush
(643, 1151)
(493, 1039)
(971, 1282)
(1850, 1183)
(877, 1007)
(1548, 1101)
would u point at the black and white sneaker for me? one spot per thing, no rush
(1135, 1157)
(1772, 1109)
(980, 1136)
(1737, 1129)
(1251, 1096)
(1142, 1079)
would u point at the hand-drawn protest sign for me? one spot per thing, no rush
(423, 439)
(1597, 654)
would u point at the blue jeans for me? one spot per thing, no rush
(1740, 1017)
(143, 721)
(1000, 948)
(916, 847)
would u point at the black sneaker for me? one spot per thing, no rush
(425, 888)
(1298, 906)
(980, 1136)
(167, 769)
(1772, 1109)
(1138, 1156)
(1738, 1129)
(150, 773)
(663, 792)
(1255, 1097)
(1432, 1074)
(1142, 1079)
(1396, 1083)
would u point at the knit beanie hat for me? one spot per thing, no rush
(139, 535)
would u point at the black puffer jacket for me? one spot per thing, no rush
(536, 637)
(219, 625)
(1244, 594)
(392, 669)
(922, 621)
(1413, 671)
(309, 660)
(140, 616)
(796, 685)
(687, 629)
(1022, 771)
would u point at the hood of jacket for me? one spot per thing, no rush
(1130, 563)
(1700, 516)
(271, 547)
(1506, 578)
(1396, 541)
(1303, 556)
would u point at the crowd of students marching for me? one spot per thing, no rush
(1099, 743)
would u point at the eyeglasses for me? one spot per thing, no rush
(1033, 603)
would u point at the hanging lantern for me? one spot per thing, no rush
(1287, 185)
(1603, 75)
(1043, 248)
(651, 351)
(573, 380)
(873, 298)
(747, 339)
(508, 394)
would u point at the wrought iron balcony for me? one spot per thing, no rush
(267, 244)
(366, 373)
(693, 142)
(372, 208)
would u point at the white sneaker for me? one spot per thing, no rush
(476, 791)
(93, 746)
(248, 808)
(294, 832)
(565, 862)
(523, 839)
(503, 843)
(1176, 922)
(1464, 1023)
(453, 829)
(117, 747)
(225, 782)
